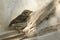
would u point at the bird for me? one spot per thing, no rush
(20, 22)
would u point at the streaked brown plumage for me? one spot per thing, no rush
(20, 22)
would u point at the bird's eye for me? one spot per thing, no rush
(26, 12)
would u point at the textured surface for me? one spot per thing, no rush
(47, 28)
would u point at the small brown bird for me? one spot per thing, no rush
(20, 22)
